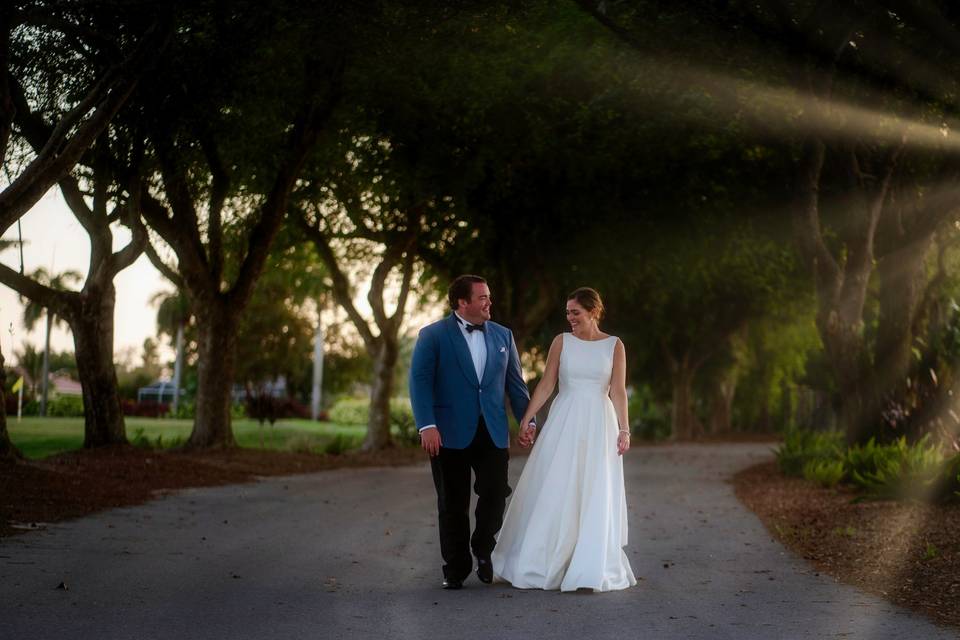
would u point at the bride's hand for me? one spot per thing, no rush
(623, 442)
(527, 434)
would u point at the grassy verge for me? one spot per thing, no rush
(41, 437)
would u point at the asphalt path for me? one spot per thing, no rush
(353, 553)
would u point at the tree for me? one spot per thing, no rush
(89, 311)
(503, 119)
(50, 59)
(848, 162)
(108, 77)
(397, 231)
(233, 159)
(275, 336)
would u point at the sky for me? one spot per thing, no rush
(55, 240)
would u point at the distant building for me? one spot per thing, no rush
(61, 385)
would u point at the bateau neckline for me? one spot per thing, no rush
(570, 333)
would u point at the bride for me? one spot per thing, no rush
(566, 525)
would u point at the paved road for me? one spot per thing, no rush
(353, 554)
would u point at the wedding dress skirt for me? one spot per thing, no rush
(566, 524)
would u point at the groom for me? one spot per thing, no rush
(462, 367)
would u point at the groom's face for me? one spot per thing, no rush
(477, 309)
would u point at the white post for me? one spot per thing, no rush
(20, 404)
(317, 372)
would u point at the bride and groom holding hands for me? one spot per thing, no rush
(566, 525)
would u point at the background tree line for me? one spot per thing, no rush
(763, 192)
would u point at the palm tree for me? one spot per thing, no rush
(173, 314)
(32, 312)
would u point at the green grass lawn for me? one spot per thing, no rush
(41, 437)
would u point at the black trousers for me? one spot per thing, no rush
(451, 476)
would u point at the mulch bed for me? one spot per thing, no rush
(78, 483)
(908, 553)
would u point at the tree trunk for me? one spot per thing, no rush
(901, 280)
(787, 409)
(217, 335)
(721, 403)
(7, 449)
(859, 400)
(684, 424)
(381, 390)
(92, 326)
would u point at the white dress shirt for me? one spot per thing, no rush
(477, 345)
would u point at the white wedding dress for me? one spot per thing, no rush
(566, 525)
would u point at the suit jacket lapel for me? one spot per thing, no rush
(461, 350)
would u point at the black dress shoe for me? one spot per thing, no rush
(452, 584)
(485, 571)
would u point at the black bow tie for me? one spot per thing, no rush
(473, 327)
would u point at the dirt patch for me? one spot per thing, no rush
(78, 483)
(907, 553)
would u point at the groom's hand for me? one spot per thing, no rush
(527, 434)
(430, 441)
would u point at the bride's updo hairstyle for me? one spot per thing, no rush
(590, 300)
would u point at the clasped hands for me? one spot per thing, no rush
(528, 433)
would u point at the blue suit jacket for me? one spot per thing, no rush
(444, 389)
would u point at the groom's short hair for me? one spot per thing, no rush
(462, 288)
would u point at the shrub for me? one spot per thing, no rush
(401, 418)
(801, 446)
(140, 439)
(826, 473)
(65, 407)
(339, 444)
(356, 411)
(896, 469)
(186, 410)
(648, 419)
(350, 411)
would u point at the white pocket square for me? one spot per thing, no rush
(503, 349)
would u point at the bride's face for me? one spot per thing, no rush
(578, 317)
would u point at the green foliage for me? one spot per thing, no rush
(187, 410)
(340, 444)
(144, 441)
(401, 418)
(920, 471)
(356, 411)
(802, 446)
(896, 469)
(65, 407)
(649, 420)
(351, 411)
(826, 473)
